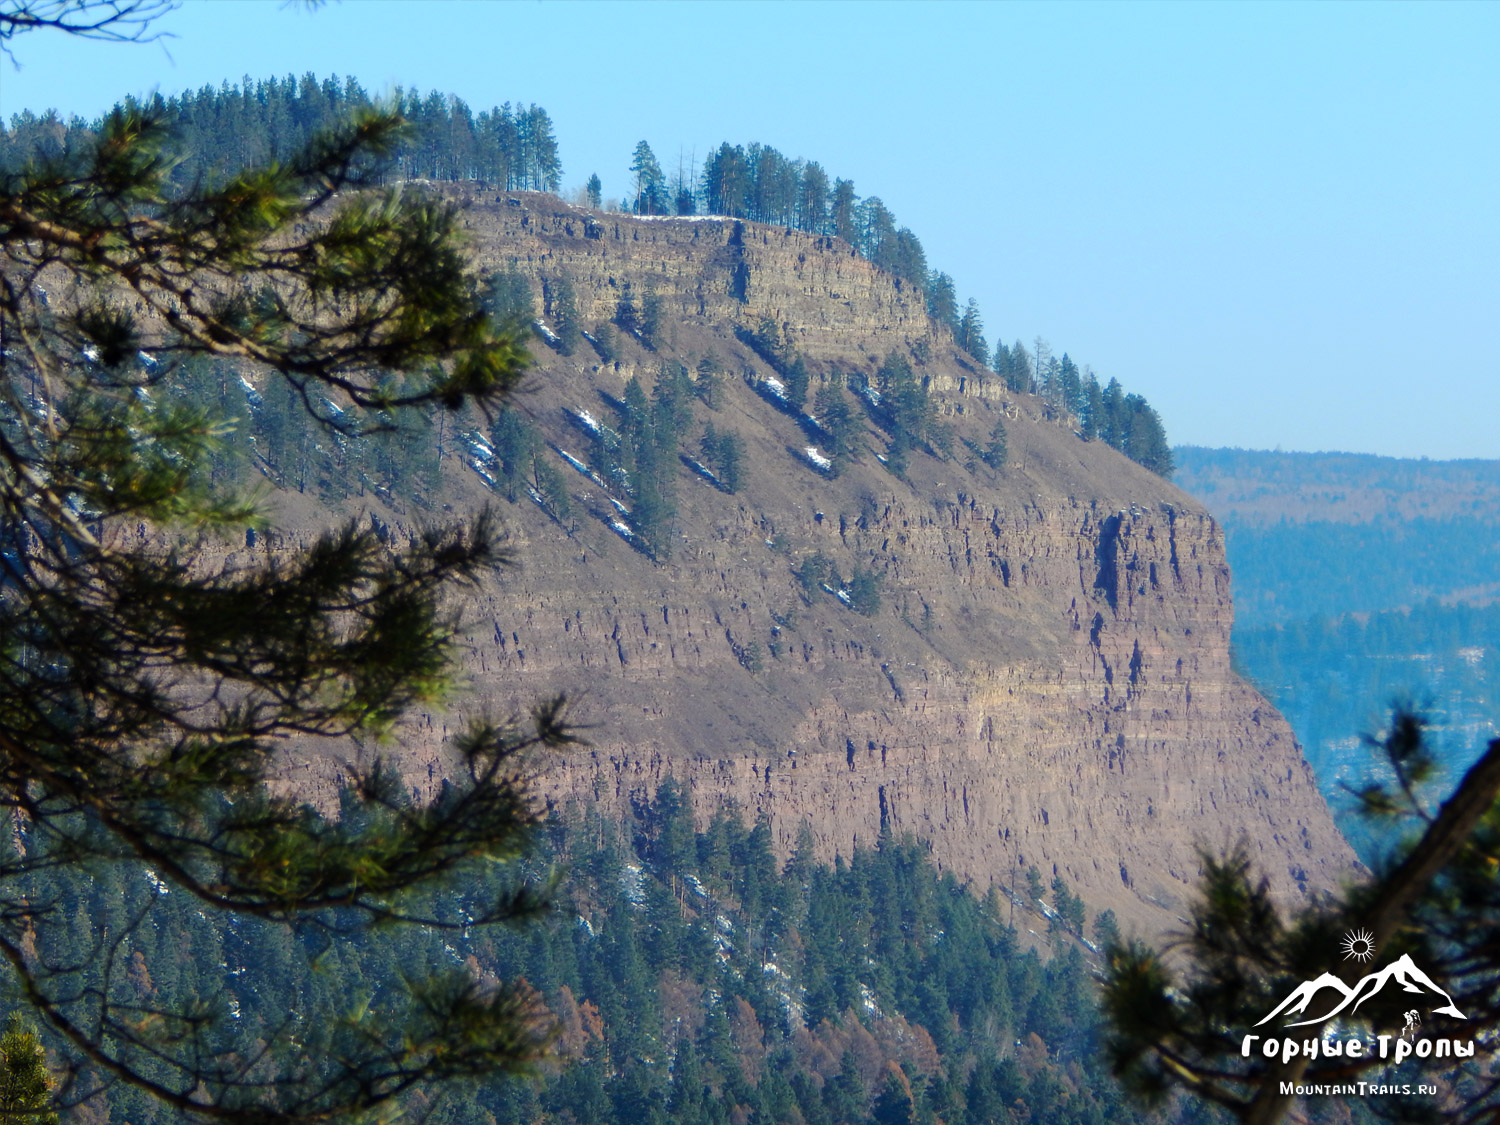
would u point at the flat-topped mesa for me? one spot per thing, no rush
(1046, 683)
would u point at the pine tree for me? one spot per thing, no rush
(552, 486)
(508, 297)
(1021, 375)
(812, 199)
(864, 592)
(723, 452)
(1093, 409)
(181, 677)
(650, 195)
(942, 302)
(708, 380)
(797, 383)
(25, 1084)
(627, 316)
(894, 1106)
(562, 307)
(1106, 929)
(1145, 439)
(594, 192)
(840, 422)
(651, 317)
(841, 211)
(1436, 898)
(970, 334)
(1069, 386)
(1114, 427)
(994, 452)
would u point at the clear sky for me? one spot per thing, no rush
(1279, 222)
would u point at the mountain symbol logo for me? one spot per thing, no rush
(1329, 989)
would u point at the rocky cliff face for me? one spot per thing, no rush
(1047, 682)
(831, 303)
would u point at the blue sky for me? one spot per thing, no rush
(1276, 221)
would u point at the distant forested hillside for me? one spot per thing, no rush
(1360, 581)
(1334, 533)
(1256, 487)
(1290, 571)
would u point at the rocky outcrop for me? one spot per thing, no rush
(1046, 683)
(831, 303)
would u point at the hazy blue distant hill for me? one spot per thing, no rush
(1334, 533)
(1359, 580)
(1257, 487)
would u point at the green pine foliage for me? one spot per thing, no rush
(525, 469)
(225, 129)
(864, 592)
(148, 691)
(691, 977)
(641, 457)
(1068, 909)
(842, 425)
(222, 130)
(25, 1083)
(1179, 1019)
(970, 334)
(811, 574)
(723, 451)
(649, 183)
(905, 411)
(708, 381)
(606, 342)
(561, 300)
(651, 318)
(513, 148)
(797, 382)
(993, 452)
(942, 302)
(1015, 366)
(757, 182)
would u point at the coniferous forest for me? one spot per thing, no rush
(690, 978)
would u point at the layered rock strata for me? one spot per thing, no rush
(1047, 682)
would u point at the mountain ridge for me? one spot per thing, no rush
(1046, 683)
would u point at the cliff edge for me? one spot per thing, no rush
(1047, 681)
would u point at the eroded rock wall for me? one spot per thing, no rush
(1076, 712)
(830, 302)
(1046, 683)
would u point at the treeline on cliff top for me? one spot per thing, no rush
(692, 978)
(514, 148)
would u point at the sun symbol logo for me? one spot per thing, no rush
(1358, 945)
